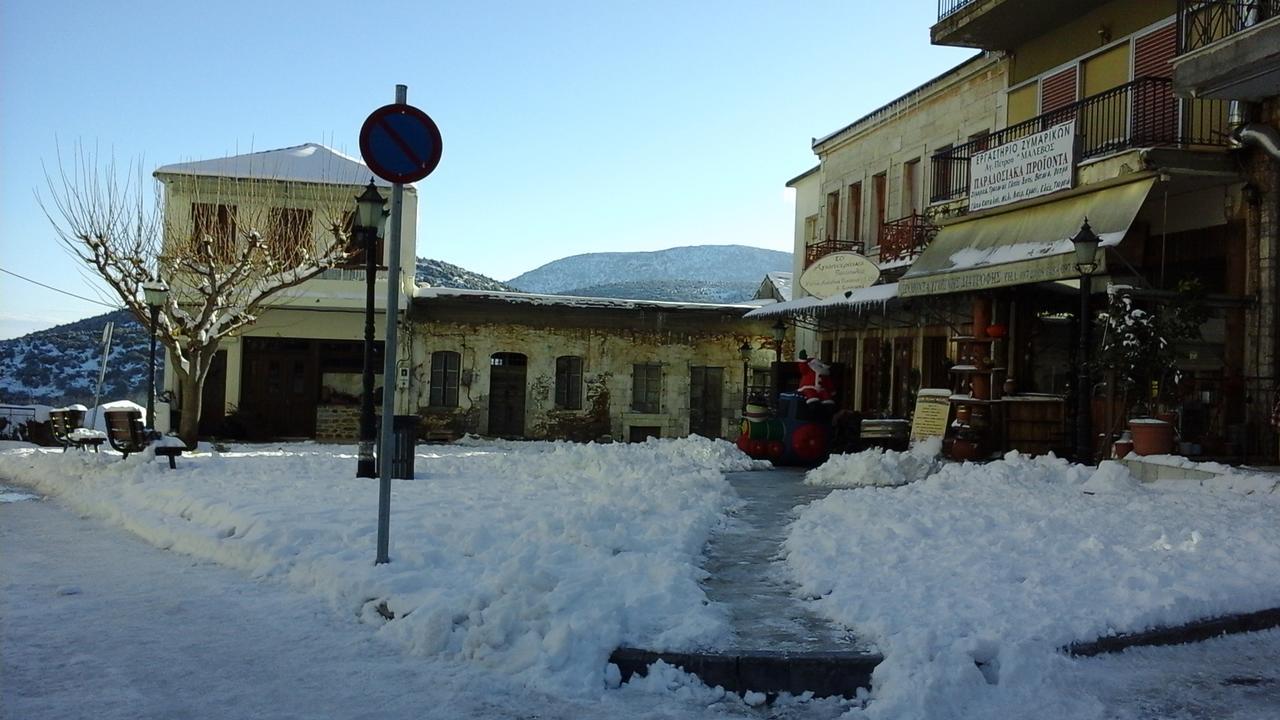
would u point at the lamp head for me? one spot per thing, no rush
(779, 331)
(745, 351)
(369, 207)
(1086, 247)
(155, 293)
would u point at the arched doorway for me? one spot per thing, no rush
(506, 394)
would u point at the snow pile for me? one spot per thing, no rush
(1240, 480)
(877, 466)
(533, 559)
(1003, 563)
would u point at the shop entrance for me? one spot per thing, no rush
(706, 406)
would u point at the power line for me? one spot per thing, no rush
(64, 292)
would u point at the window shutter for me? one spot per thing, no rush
(1153, 53)
(1058, 90)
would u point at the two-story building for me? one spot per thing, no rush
(504, 364)
(1083, 122)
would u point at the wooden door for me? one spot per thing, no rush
(507, 374)
(280, 387)
(706, 401)
(213, 396)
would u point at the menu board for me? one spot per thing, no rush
(933, 409)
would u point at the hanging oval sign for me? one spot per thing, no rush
(839, 272)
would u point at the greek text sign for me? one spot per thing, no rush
(933, 409)
(838, 272)
(1034, 165)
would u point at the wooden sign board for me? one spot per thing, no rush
(933, 409)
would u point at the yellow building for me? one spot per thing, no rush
(1083, 123)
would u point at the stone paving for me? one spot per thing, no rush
(745, 566)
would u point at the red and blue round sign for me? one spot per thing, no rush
(400, 143)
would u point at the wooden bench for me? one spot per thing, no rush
(67, 427)
(127, 435)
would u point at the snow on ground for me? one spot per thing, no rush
(531, 559)
(1003, 563)
(877, 466)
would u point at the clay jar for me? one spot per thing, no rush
(1151, 436)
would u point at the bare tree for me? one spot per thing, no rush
(238, 244)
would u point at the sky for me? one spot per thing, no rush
(569, 126)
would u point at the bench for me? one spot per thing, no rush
(66, 426)
(127, 435)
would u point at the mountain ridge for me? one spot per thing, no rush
(688, 264)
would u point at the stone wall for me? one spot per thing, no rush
(337, 423)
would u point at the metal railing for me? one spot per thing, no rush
(818, 250)
(1141, 113)
(905, 237)
(947, 7)
(1204, 22)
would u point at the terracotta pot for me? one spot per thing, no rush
(1121, 448)
(962, 450)
(996, 331)
(1151, 436)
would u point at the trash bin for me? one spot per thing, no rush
(404, 440)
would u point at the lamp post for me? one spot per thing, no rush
(1086, 249)
(155, 294)
(369, 214)
(779, 334)
(744, 351)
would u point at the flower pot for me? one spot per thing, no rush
(996, 331)
(1151, 436)
(963, 449)
(1121, 448)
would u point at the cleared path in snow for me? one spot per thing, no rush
(744, 561)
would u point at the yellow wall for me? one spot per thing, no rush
(1023, 103)
(1105, 70)
(1080, 36)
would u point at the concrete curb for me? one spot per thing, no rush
(828, 674)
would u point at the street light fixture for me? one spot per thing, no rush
(1086, 249)
(745, 353)
(155, 293)
(368, 222)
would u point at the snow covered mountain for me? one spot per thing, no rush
(711, 273)
(59, 366)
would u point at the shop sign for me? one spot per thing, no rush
(839, 272)
(1029, 167)
(933, 408)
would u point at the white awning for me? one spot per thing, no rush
(857, 300)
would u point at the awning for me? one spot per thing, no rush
(876, 295)
(1023, 245)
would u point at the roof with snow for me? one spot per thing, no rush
(426, 293)
(310, 162)
(857, 300)
(776, 286)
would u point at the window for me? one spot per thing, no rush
(878, 207)
(217, 225)
(646, 388)
(833, 215)
(853, 219)
(569, 382)
(444, 378)
(910, 188)
(289, 237)
(943, 162)
(355, 245)
(811, 230)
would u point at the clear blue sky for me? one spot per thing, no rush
(569, 127)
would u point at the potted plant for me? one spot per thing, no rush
(1138, 347)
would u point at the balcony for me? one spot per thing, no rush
(1139, 114)
(1228, 49)
(1002, 24)
(904, 238)
(817, 250)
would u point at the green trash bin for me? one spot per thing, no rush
(404, 440)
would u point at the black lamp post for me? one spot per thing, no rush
(1086, 248)
(155, 294)
(369, 215)
(779, 334)
(745, 353)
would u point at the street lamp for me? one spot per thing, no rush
(1086, 250)
(368, 221)
(155, 294)
(745, 353)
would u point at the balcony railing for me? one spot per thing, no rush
(946, 7)
(1142, 113)
(1203, 22)
(904, 238)
(818, 250)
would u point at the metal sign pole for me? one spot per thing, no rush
(389, 362)
(101, 372)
